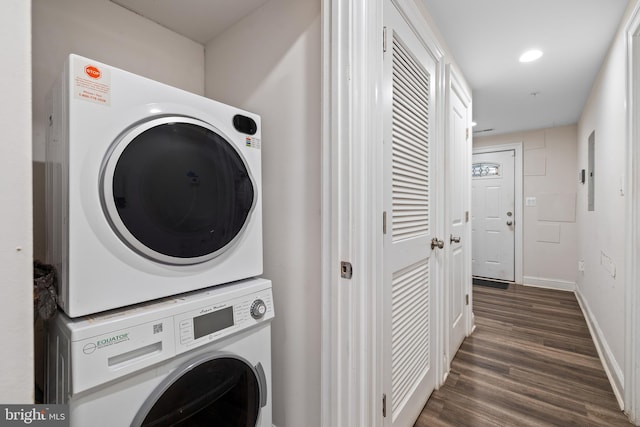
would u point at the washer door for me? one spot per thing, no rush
(176, 190)
(208, 391)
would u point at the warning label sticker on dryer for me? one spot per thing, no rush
(91, 82)
(252, 142)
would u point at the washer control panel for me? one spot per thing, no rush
(212, 322)
(97, 349)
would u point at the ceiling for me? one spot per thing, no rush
(198, 20)
(487, 37)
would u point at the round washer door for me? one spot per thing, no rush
(176, 190)
(207, 391)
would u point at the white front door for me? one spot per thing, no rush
(493, 222)
(409, 322)
(458, 150)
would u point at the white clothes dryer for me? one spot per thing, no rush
(151, 191)
(200, 359)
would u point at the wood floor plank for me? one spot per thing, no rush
(530, 362)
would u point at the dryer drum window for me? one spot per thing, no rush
(177, 191)
(218, 392)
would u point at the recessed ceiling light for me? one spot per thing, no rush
(531, 55)
(473, 124)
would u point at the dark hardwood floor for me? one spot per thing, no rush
(530, 362)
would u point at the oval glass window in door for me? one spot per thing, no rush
(177, 191)
(220, 391)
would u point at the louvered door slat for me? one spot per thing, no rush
(410, 165)
(409, 119)
(410, 330)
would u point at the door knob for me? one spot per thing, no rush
(436, 243)
(454, 239)
(509, 223)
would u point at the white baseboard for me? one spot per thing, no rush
(541, 282)
(611, 366)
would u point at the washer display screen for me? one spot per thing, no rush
(212, 322)
(181, 190)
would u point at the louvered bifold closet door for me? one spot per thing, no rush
(407, 253)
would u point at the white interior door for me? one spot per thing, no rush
(493, 222)
(408, 269)
(458, 151)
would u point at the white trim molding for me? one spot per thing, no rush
(632, 245)
(519, 203)
(351, 212)
(611, 367)
(542, 282)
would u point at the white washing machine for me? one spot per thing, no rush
(151, 191)
(200, 359)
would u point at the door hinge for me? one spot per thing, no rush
(384, 405)
(346, 270)
(384, 222)
(466, 216)
(384, 39)
(467, 134)
(466, 299)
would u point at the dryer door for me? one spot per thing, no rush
(207, 391)
(176, 190)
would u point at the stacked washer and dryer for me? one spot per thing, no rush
(154, 225)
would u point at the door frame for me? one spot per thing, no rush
(351, 212)
(632, 246)
(519, 206)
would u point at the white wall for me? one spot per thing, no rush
(603, 230)
(550, 254)
(269, 63)
(16, 271)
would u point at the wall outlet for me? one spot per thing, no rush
(581, 265)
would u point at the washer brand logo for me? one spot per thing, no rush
(43, 415)
(104, 342)
(112, 340)
(93, 72)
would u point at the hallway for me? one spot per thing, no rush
(530, 362)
